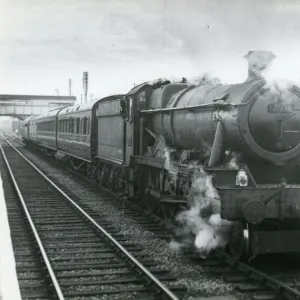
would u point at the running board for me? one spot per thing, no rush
(166, 198)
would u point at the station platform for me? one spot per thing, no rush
(9, 286)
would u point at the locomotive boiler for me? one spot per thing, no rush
(253, 117)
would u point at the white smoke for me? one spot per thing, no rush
(169, 163)
(278, 91)
(201, 225)
(205, 79)
(233, 160)
(171, 168)
(279, 88)
(158, 81)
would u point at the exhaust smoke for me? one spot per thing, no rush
(201, 225)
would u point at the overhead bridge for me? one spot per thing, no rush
(23, 106)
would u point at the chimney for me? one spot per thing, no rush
(258, 63)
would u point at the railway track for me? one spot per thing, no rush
(254, 279)
(62, 252)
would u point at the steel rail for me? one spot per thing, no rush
(148, 275)
(269, 281)
(36, 235)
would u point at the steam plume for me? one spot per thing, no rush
(201, 226)
(233, 160)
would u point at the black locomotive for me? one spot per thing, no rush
(124, 141)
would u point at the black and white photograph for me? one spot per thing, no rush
(149, 150)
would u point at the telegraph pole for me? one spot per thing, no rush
(70, 87)
(85, 83)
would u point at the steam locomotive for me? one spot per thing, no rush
(124, 141)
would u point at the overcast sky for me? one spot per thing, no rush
(121, 42)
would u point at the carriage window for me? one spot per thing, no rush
(71, 125)
(84, 125)
(81, 125)
(77, 125)
(88, 126)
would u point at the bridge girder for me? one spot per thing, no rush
(23, 106)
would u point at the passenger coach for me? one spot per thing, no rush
(42, 129)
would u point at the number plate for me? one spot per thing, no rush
(281, 108)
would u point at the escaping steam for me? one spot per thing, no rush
(205, 79)
(169, 164)
(201, 226)
(233, 158)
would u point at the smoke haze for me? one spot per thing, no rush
(121, 43)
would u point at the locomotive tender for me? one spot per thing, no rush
(121, 142)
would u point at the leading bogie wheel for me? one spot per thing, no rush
(239, 243)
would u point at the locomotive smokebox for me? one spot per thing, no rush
(258, 63)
